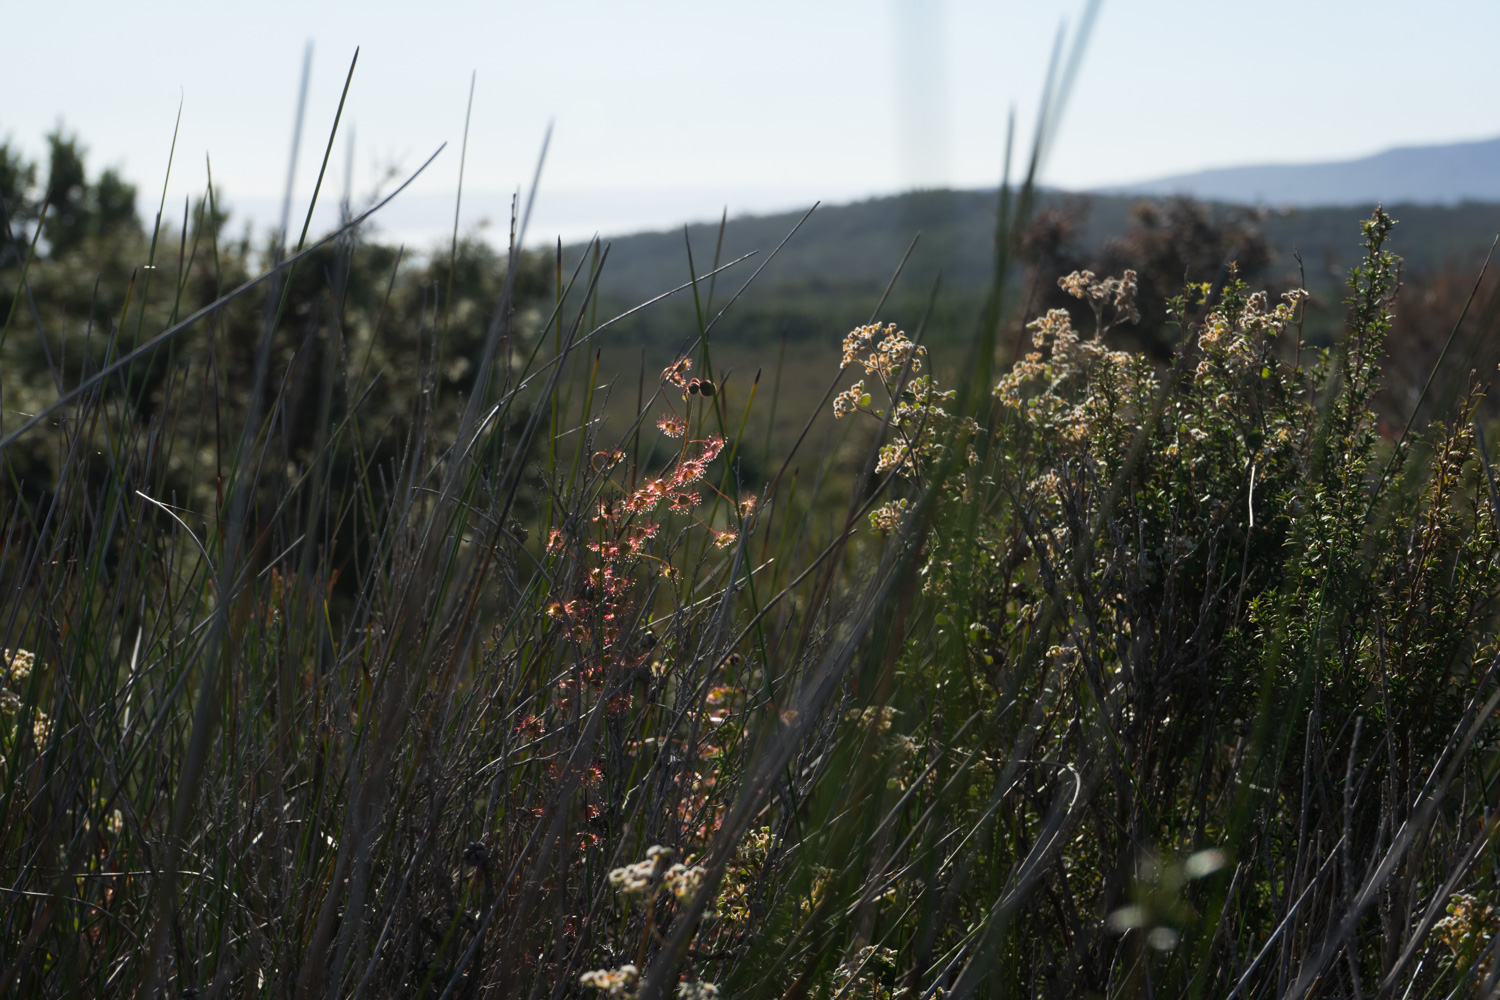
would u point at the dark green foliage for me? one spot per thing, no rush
(76, 209)
(17, 176)
(355, 322)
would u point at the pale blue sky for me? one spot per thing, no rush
(667, 111)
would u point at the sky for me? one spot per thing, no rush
(667, 112)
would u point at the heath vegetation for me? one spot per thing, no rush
(365, 635)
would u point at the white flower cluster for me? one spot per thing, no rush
(624, 981)
(878, 716)
(684, 881)
(619, 982)
(885, 358)
(1070, 387)
(1118, 293)
(1054, 327)
(1229, 341)
(16, 667)
(887, 517)
(639, 881)
(850, 400)
(18, 664)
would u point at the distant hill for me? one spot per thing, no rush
(838, 263)
(1441, 175)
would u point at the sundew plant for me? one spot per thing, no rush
(362, 638)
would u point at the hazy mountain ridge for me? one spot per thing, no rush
(1437, 174)
(845, 254)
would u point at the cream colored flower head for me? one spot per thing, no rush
(18, 664)
(619, 982)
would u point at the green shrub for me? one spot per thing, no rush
(1204, 613)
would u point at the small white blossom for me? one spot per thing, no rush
(639, 881)
(684, 881)
(619, 982)
(18, 663)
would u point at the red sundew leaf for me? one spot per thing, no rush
(672, 425)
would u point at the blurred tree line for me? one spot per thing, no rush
(77, 210)
(383, 338)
